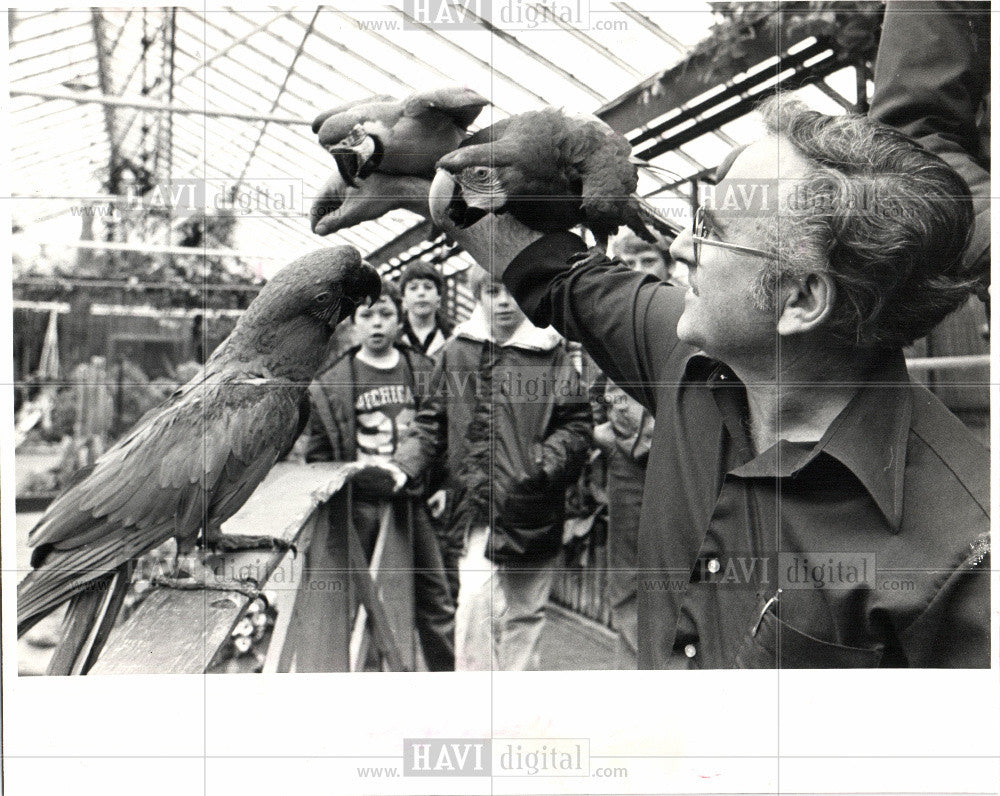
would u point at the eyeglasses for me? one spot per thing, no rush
(700, 234)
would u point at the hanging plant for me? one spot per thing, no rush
(852, 27)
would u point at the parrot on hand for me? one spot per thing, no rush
(191, 463)
(384, 135)
(549, 170)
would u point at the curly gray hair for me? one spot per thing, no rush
(885, 218)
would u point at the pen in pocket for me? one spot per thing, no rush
(772, 601)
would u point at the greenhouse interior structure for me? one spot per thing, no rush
(165, 167)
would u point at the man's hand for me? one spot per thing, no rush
(437, 502)
(338, 206)
(493, 241)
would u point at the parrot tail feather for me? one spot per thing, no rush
(90, 616)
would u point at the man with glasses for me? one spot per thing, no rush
(806, 505)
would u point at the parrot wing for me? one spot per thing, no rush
(607, 173)
(194, 452)
(347, 106)
(609, 179)
(463, 105)
(192, 464)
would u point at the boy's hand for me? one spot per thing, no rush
(437, 502)
(378, 477)
(399, 478)
(493, 241)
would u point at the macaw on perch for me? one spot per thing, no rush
(191, 463)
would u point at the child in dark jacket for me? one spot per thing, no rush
(507, 407)
(425, 327)
(361, 407)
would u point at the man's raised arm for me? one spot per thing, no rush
(625, 319)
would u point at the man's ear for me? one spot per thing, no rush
(806, 302)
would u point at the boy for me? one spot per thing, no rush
(424, 328)
(507, 406)
(650, 258)
(361, 407)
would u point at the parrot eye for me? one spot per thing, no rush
(356, 136)
(482, 173)
(324, 297)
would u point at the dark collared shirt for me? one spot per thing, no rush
(429, 345)
(868, 547)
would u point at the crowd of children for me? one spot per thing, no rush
(482, 426)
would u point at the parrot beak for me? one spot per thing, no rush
(357, 156)
(439, 199)
(448, 201)
(460, 212)
(348, 162)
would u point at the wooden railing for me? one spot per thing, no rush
(328, 606)
(581, 583)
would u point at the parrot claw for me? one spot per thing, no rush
(209, 581)
(233, 543)
(205, 574)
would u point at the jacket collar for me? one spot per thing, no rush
(527, 336)
(409, 337)
(869, 436)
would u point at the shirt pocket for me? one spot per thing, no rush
(772, 643)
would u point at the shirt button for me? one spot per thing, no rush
(714, 565)
(690, 650)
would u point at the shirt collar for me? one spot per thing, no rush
(869, 436)
(414, 339)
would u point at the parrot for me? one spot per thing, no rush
(550, 170)
(385, 135)
(189, 464)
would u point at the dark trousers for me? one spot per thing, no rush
(626, 480)
(436, 595)
(434, 606)
(451, 556)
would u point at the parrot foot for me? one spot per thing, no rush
(233, 543)
(195, 572)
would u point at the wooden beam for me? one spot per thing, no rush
(736, 89)
(368, 593)
(180, 632)
(104, 71)
(678, 85)
(141, 104)
(402, 243)
(741, 108)
(151, 248)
